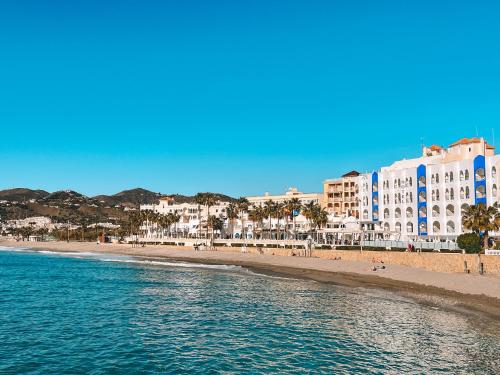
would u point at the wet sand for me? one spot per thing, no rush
(459, 292)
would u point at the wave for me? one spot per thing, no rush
(115, 258)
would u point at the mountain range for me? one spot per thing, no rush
(70, 205)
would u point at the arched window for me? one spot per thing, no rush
(375, 214)
(480, 174)
(494, 191)
(452, 194)
(386, 213)
(462, 193)
(411, 181)
(447, 194)
(409, 227)
(480, 191)
(433, 179)
(436, 227)
(421, 197)
(467, 192)
(409, 212)
(423, 227)
(494, 172)
(386, 227)
(397, 213)
(451, 176)
(365, 215)
(433, 195)
(461, 175)
(421, 181)
(437, 195)
(437, 178)
(446, 177)
(398, 226)
(450, 210)
(466, 175)
(422, 211)
(450, 227)
(435, 211)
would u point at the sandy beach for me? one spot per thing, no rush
(458, 291)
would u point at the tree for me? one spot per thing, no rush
(470, 242)
(199, 198)
(215, 223)
(231, 214)
(481, 219)
(242, 204)
(293, 206)
(207, 199)
(255, 215)
(279, 212)
(269, 212)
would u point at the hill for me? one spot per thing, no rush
(133, 197)
(22, 194)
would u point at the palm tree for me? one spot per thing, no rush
(293, 206)
(279, 212)
(215, 223)
(200, 200)
(308, 210)
(481, 218)
(320, 218)
(242, 204)
(269, 211)
(231, 214)
(255, 215)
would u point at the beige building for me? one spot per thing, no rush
(340, 196)
(292, 192)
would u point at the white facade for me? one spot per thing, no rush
(423, 197)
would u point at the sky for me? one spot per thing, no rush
(237, 97)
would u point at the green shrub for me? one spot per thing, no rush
(470, 242)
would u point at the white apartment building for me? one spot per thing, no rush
(423, 198)
(192, 215)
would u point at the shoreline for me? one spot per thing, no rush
(459, 292)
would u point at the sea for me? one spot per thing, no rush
(88, 313)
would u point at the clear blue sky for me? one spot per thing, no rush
(236, 97)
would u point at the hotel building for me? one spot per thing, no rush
(423, 198)
(340, 196)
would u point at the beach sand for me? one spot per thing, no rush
(461, 292)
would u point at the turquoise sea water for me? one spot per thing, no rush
(89, 313)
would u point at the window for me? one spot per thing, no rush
(365, 215)
(435, 211)
(398, 226)
(447, 194)
(450, 210)
(494, 172)
(433, 196)
(409, 227)
(462, 193)
(411, 181)
(466, 175)
(480, 174)
(433, 179)
(436, 227)
(451, 176)
(437, 195)
(450, 227)
(494, 190)
(467, 192)
(446, 177)
(398, 213)
(423, 227)
(452, 194)
(437, 178)
(409, 212)
(461, 175)
(422, 211)
(386, 213)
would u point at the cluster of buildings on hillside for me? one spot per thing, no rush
(411, 199)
